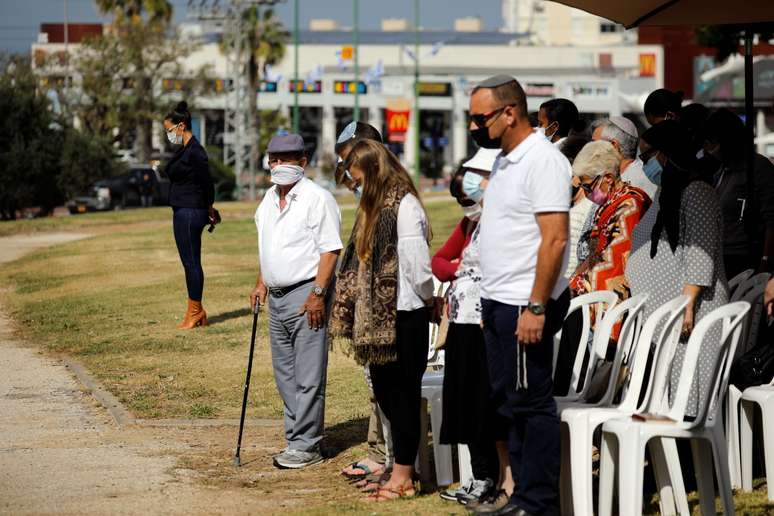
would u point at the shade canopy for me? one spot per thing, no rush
(633, 13)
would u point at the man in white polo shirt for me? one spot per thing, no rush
(523, 239)
(299, 242)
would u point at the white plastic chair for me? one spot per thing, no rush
(737, 280)
(763, 396)
(624, 440)
(580, 423)
(750, 290)
(603, 300)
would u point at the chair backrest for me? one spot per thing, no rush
(602, 301)
(737, 280)
(435, 356)
(669, 317)
(730, 317)
(751, 290)
(630, 312)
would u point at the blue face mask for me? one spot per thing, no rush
(471, 186)
(653, 170)
(358, 192)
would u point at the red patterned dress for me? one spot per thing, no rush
(610, 242)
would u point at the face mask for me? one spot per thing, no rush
(471, 186)
(472, 212)
(173, 137)
(358, 192)
(541, 131)
(286, 174)
(483, 140)
(653, 170)
(597, 196)
(545, 132)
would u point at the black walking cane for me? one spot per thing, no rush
(256, 309)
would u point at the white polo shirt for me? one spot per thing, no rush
(533, 178)
(290, 242)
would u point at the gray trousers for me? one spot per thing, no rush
(299, 356)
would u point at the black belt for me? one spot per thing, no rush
(284, 291)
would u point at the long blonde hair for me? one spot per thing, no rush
(382, 172)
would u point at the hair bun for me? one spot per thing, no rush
(182, 107)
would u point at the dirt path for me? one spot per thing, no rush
(61, 452)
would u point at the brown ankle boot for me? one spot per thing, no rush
(194, 316)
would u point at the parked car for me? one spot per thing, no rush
(115, 193)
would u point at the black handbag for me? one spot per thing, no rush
(756, 367)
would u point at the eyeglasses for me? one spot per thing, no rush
(589, 187)
(480, 119)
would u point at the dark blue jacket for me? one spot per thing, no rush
(189, 174)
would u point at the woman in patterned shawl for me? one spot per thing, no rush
(620, 208)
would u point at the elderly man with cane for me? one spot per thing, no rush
(299, 242)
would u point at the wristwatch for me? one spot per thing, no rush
(318, 291)
(536, 308)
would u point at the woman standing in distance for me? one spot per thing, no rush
(191, 194)
(384, 290)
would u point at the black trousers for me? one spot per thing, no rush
(398, 385)
(534, 444)
(188, 224)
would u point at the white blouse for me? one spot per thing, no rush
(415, 277)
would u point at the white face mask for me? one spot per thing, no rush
(173, 137)
(472, 212)
(286, 174)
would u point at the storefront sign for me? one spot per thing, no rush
(435, 89)
(590, 91)
(539, 89)
(647, 65)
(397, 125)
(349, 87)
(305, 86)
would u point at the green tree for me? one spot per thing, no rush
(84, 159)
(29, 142)
(727, 39)
(123, 71)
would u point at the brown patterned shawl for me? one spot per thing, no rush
(365, 308)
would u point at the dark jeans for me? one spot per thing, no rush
(398, 385)
(534, 442)
(188, 224)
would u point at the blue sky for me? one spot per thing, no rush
(20, 19)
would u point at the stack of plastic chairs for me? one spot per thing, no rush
(743, 287)
(624, 439)
(763, 397)
(579, 423)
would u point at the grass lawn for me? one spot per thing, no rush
(112, 301)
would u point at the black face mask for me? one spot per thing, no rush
(483, 140)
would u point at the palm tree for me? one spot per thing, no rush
(134, 12)
(266, 39)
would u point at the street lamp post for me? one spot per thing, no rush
(417, 171)
(356, 56)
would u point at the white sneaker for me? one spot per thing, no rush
(452, 495)
(297, 459)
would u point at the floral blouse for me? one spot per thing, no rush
(458, 262)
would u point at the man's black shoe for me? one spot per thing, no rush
(511, 510)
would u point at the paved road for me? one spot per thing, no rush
(60, 452)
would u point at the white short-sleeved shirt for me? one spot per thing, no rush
(290, 242)
(533, 178)
(635, 176)
(415, 277)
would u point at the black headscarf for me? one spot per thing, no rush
(674, 142)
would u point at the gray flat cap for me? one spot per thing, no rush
(283, 143)
(495, 81)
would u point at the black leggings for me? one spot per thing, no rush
(188, 224)
(398, 385)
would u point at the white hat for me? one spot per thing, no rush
(625, 125)
(484, 159)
